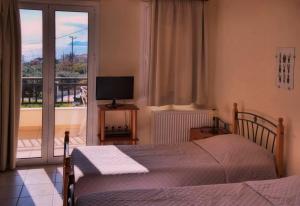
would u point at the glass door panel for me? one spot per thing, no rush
(70, 81)
(31, 112)
(54, 98)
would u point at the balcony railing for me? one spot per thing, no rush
(66, 90)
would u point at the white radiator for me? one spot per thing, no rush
(171, 126)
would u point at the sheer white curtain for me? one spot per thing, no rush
(177, 68)
(10, 80)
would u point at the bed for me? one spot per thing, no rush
(219, 159)
(279, 192)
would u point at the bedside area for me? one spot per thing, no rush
(219, 127)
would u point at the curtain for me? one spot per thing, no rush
(10, 80)
(177, 70)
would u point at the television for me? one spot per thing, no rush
(114, 88)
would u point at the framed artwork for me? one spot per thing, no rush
(285, 67)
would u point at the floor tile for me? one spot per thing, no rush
(57, 200)
(20, 172)
(41, 170)
(39, 178)
(10, 192)
(9, 202)
(38, 185)
(58, 177)
(7, 180)
(50, 168)
(60, 170)
(37, 190)
(58, 188)
(36, 201)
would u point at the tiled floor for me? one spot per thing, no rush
(38, 186)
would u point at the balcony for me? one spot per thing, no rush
(70, 100)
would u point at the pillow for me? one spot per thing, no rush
(241, 158)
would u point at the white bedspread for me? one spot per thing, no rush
(109, 160)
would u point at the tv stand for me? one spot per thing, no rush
(128, 135)
(113, 104)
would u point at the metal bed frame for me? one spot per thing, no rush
(252, 126)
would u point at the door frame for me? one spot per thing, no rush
(48, 7)
(45, 50)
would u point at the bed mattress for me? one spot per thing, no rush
(277, 192)
(219, 159)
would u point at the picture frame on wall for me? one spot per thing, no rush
(285, 66)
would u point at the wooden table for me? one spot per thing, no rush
(131, 137)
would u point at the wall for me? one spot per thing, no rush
(244, 36)
(119, 37)
(119, 53)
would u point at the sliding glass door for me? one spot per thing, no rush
(71, 76)
(55, 74)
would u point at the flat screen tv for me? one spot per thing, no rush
(114, 88)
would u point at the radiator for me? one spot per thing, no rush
(170, 127)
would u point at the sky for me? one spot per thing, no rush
(66, 24)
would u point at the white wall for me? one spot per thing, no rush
(120, 49)
(244, 36)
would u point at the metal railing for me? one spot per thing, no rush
(66, 90)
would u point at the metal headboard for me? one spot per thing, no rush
(257, 129)
(261, 131)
